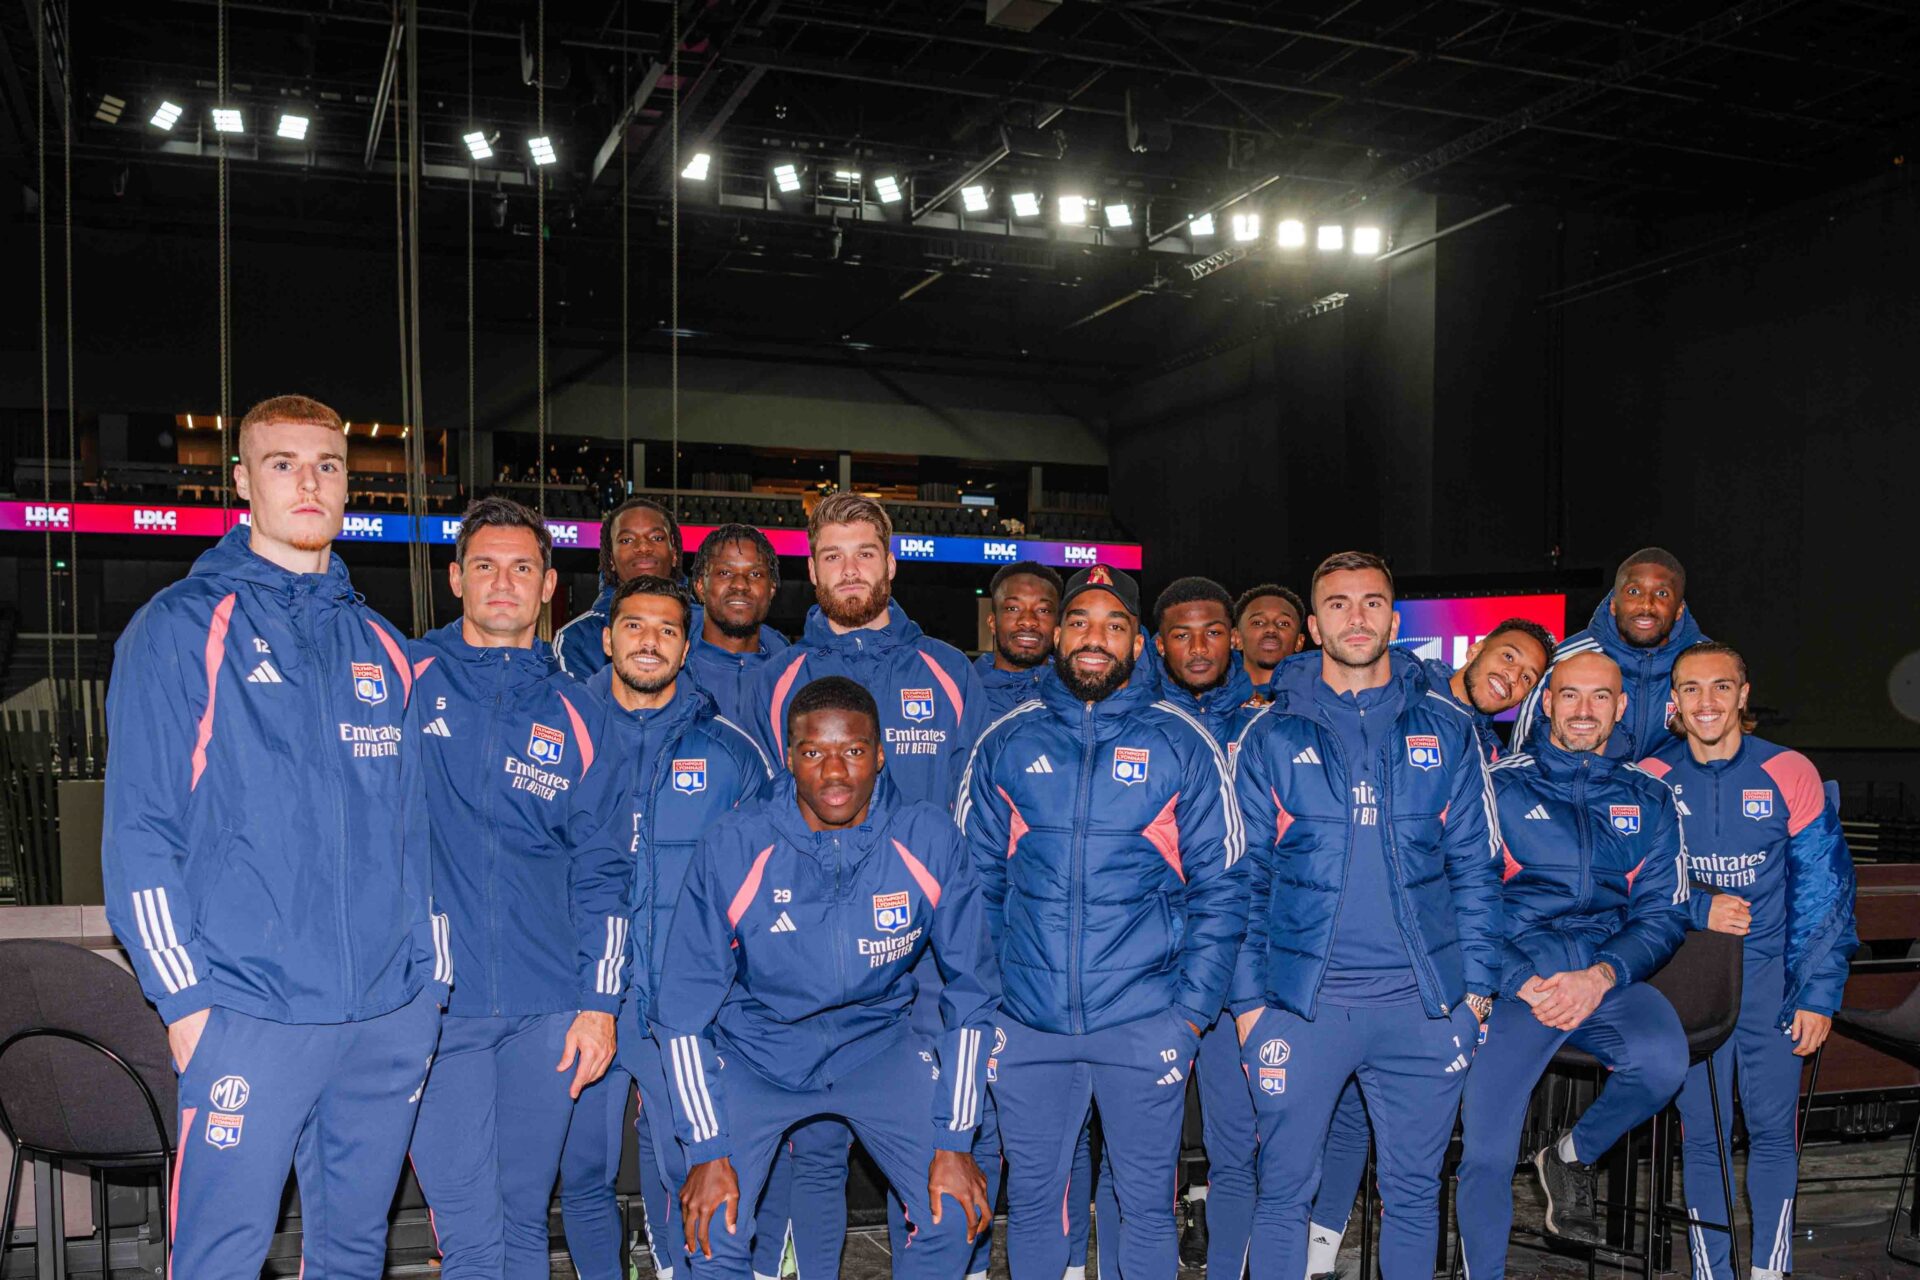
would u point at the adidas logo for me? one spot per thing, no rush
(784, 924)
(1172, 1077)
(264, 674)
(1684, 811)
(1041, 765)
(438, 727)
(1309, 756)
(1459, 1063)
(1537, 814)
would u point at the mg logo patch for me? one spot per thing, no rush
(1274, 1053)
(916, 704)
(1625, 818)
(1273, 1081)
(689, 776)
(1756, 804)
(546, 746)
(892, 912)
(370, 683)
(1423, 751)
(229, 1093)
(223, 1130)
(1130, 765)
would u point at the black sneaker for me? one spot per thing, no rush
(1193, 1240)
(1571, 1205)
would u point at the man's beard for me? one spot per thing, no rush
(1598, 745)
(733, 630)
(1024, 661)
(1338, 652)
(1474, 686)
(1226, 672)
(1096, 688)
(1651, 642)
(850, 611)
(643, 686)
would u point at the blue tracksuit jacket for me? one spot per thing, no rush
(1646, 679)
(1595, 865)
(1005, 690)
(790, 952)
(1442, 843)
(931, 703)
(577, 647)
(529, 856)
(681, 769)
(727, 676)
(1105, 837)
(265, 845)
(1759, 826)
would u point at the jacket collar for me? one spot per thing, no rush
(993, 677)
(520, 666)
(784, 806)
(689, 703)
(1557, 763)
(1607, 635)
(1297, 681)
(771, 642)
(1222, 700)
(233, 557)
(899, 632)
(1136, 697)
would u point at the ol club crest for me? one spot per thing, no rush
(1423, 750)
(892, 912)
(1757, 805)
(370, 683)
(916, 704)
(1130, 765)
(690, 776)
(1625, 818)
(546, 746)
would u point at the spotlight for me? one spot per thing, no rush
(167, 116)
(974, 199)
(1026, 204)
(227, 120)
(1330, 236)
(887, 187)
(696, 170)
(477, 145)
(1119, 215)
(1200, 225)
(787, 178)
(1246, 226)
(1073, 210)
(1293, 233)
(1366, 241)
(293, 127)
(108, 112)
(541, 149)
(847, 175)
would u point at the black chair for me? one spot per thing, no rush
(85, 1076)
(1896, 1033)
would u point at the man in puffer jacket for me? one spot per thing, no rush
(530, 857)
(1765, 850)
(1643, 624)
(1102, 824)
(1374, 916)
(268, 870)
(1596, 903)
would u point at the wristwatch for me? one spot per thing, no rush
(1482, 1006)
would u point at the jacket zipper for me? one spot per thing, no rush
(1076, 904)
(492, 847)
(1417, 957)
(1585, 826)
(306, 621)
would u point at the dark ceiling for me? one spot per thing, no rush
(1325, 110)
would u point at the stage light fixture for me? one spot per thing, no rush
(1026, 204)
(696, 170)
(108, 112)
(974, 199)
(1293, 234)
(1246, 226)
(787, 177)
(1119, 216)
(1366, 241)
(167, 116)
(1330, 237)
(541, 148)
(847, 175)
(1200, 224)
(477, 145)
(887, 187)
(1072, 210)
(227, 120)
(293, 127)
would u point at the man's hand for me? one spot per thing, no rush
(1809, 1032)
(1730, 914)
(954, 1173)
(709, 1186)
(1567, 998)
(589, 1039)
(183, 1037)
(1531, 992)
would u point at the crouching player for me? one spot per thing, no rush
(785, 991)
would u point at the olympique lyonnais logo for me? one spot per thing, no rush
(916, 704)
(1130, 765)
(1625, 818)
(370, 683)
(546, 746)
(892, 912)
(1423, 751)
(690, 776)
(1757, 805)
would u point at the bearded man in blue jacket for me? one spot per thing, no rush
(268, 870)
(1595, 892)
(530, 856)
(1769, 864)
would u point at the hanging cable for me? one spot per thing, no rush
(626, 180)
(46, 365)
(80, 707)
(413, 436)
(472, 450)
(540, 265)
(673, 270)
(224, 251)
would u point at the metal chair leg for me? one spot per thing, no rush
(1655, 1205)
(1366, 1217)
(1806, 1104)
(1726, 1173)
(1900, 1202)
(13, 1204)
(101, 1225)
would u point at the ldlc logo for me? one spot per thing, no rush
(1001, 551)
(917, 548)
(1082, 555)
(363, 526)
(150, 519)
(45, 517)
